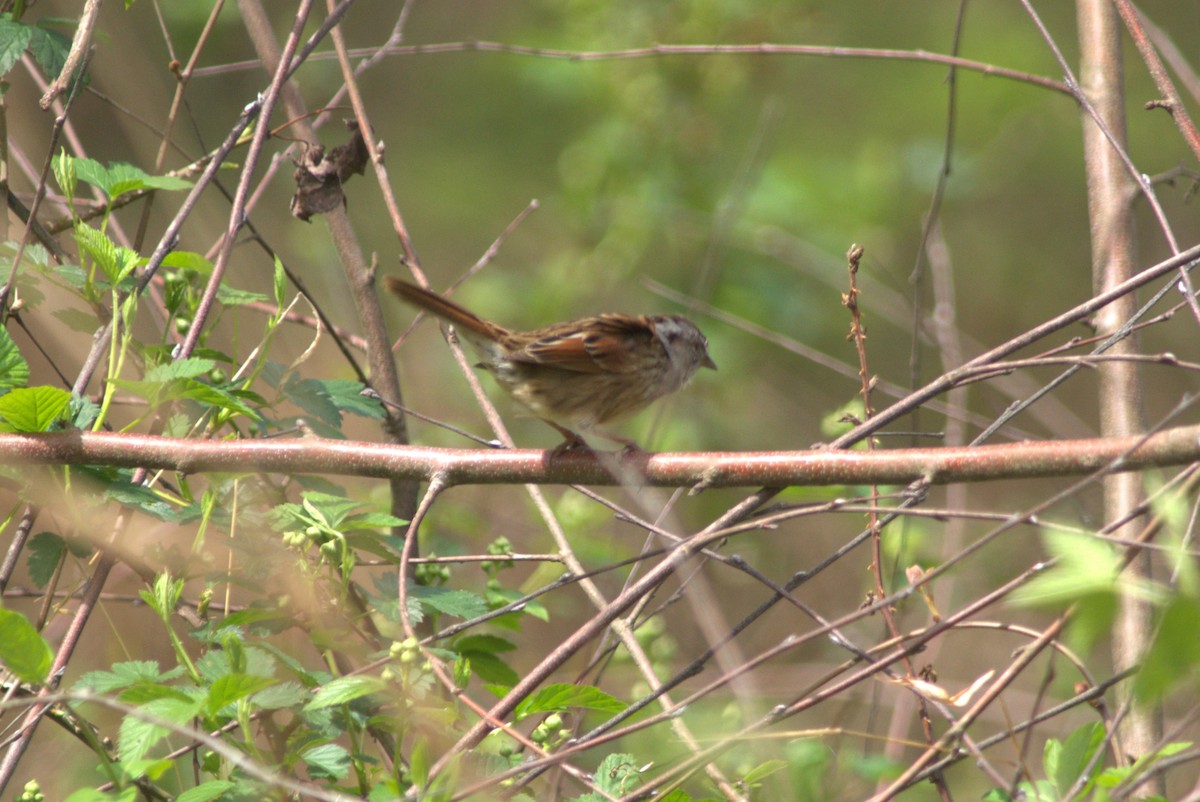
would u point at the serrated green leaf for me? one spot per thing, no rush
(83, 412)
(122, 675)
(14, 370)
(286, 694)
(49, 49)
(618, 774)
(22, 650)
(33, 409)
(312, 397)
(146, 692)
(206, 792)
(330, 762)
(343, 690)
(232, 687)
(490, 668)
(210, 395)
(45, 550)
(14, 37)
(93, 172)
(115, 261)
(461, 603)
(138, 735)
(124, 177)
(180, 369)
(143, 498)
(372, 520)
(348, 396)
(328, 508)
(561, 696)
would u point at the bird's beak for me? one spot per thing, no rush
(708, 363)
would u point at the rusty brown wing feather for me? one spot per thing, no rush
(599, 344)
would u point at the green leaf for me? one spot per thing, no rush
(115, 261)
(312, 397)
(1085, 566)
(372, 520)
(143, 498)
(279, 283)
(146, 692)
(180, 369)
(462, 672)
(1174, 656)
(211, 395)
(188, 260)
(64, 173)
(125, 178)
(205, 792)
(327, 400)
(348, 396)
(483, 643)
(232, 687)
(93, 172)
(120, 177)
(1086, 574)
(676, 795)
(232, 296)
(166, 595)
(618, 775)
(137, 736)
(92, 795)
(14, 37)
(461, 603)
(329, 762)
(328, 508)
(762, 771)
(490, 668)
(45, 550)
(343, 690)
(49, 49)
(122, 675)
(14, 370)
(33, 409)
(1065, 763)
(22, 649)
(286, 694)
(560, 696)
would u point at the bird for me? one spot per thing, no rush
(578, 374)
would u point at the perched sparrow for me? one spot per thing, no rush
(580, 373)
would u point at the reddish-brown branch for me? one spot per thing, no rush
(701, 470)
